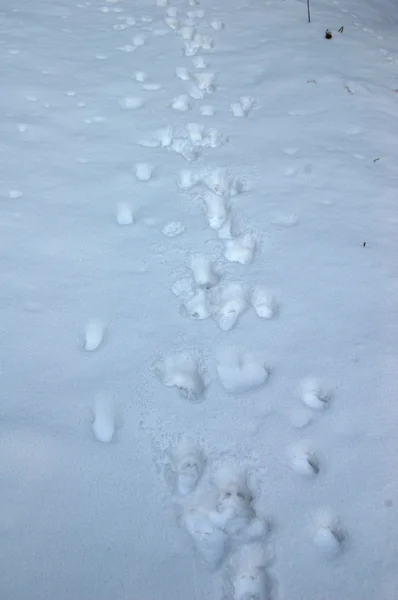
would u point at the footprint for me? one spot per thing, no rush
(285, 220)
(225, 231)
(132, 102)
(143, 171)
(184, 372)
(195, 132)
(304, 461)
(196, 306)
(139, 40)
(104, 418)
(203, 272)
(188, 463)
(173, 23)
(188, 179)
(217, 25)
(291, 171)
(230, 302)
(240, 372)
(216, 210)
(204, 41)
(183, 73)
(210, 542)
(264, 303)
(243, 107)
(93, 335)
(181, 103)
(151, 87)
(160, 32)
(248, 574)
(124, 214)
(140, 76)
(164, 136)
(233, 512)
(314, 395)
(199, 13)
(127, 48)
(183, 288)
(173, 229)
(14, 194)
(330, 537)
(207, 110)
(187, 32)
(185, 148)
(223, 184)
(206, 82)
(291, 151)
(199, 62)
(240, 249)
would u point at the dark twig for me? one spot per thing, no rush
(308, 10)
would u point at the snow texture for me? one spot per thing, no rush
(198, 218)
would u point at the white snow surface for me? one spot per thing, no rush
(114, 113)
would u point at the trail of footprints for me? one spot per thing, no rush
(215, 503)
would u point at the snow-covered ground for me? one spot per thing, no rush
(198, 293)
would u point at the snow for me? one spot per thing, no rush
(198, 295)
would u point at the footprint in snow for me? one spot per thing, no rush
(188, 179)
(217, 25)
(160, 32)
(230, 302)
(291, 151)
(132, 102)
(240, 249)
(172, 11)
(93, 335)
(14, 194)
(303, 460)
(181, 103)
(185, 372)
(124, 214)
(264, 303)
(188, 462)
(104, 418)
(139, 40)
(173, 229)
(291, 172)
(205, 82)
(243, 107)
(151, 87)
(173, 23)
(329, 537)
(183, 73)
(196, 14)
(127, 48)
(239, 371)
(143, 171)
(222, 183)
(187, 32)
(207, 110)
(314, 394)
(197, 306)
(216, 210)
(203, 271)
(199, 62)
(247, 572)
(140, 76)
